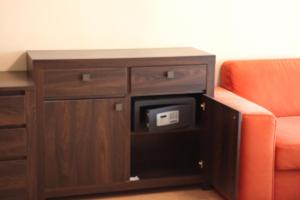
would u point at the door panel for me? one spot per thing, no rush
(86, 142)
(223, 124)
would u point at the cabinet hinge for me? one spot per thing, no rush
(203, 106)
(201, 164)
(134, 178)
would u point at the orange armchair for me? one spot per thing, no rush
(264, 91)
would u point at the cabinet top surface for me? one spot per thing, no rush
(15, 80)
(115, 53)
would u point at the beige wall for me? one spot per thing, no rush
(231, 29)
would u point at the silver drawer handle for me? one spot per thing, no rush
(86, 77)
(170, 74)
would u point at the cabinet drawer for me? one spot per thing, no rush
(85, 82)
(168, 79)
(12, 143)
(13, 180)
(12, 110)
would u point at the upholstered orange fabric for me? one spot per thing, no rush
(257, 147)
(288, 143)
(270, 83)
(287, 185)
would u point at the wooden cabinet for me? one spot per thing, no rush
(17, 145)
(86, 143)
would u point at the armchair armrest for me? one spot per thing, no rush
(257, 150)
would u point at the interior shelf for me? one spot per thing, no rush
(166, 172)
(196, 130)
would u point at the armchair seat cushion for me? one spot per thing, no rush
(287, 154)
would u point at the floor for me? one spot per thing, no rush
(174, 194)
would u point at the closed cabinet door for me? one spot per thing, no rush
(86, 142)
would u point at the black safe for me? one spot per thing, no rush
(164, 114)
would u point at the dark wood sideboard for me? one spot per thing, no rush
(17, 137)
(85, 142)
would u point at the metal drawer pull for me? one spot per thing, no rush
(86, 77)
(170, 75)
(119, 107)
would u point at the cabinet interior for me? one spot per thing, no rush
(169, 153)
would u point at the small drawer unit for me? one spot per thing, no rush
(16, 133)
(13, 143)
(12, 110)
(85, 82)
(168, 79)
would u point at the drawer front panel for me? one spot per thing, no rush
(169, 79)
(13, 180)
(12, 143)
(12, 110)
(86, 82)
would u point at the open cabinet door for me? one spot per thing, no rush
(223, 124)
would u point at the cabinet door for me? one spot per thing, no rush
(86, 142)
(223, 125)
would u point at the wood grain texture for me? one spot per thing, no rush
(15, 80)
(13, 143)
(210, 78)
(70, 83)
(127, 186)
(115, 53)
(224, 125)
(12, 110)
(86, 143)
(13, 180)
(154, 80)
(181, 193)
(15, 136)
(30, 115)
(38, 76)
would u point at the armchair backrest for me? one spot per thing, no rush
(273, 84)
